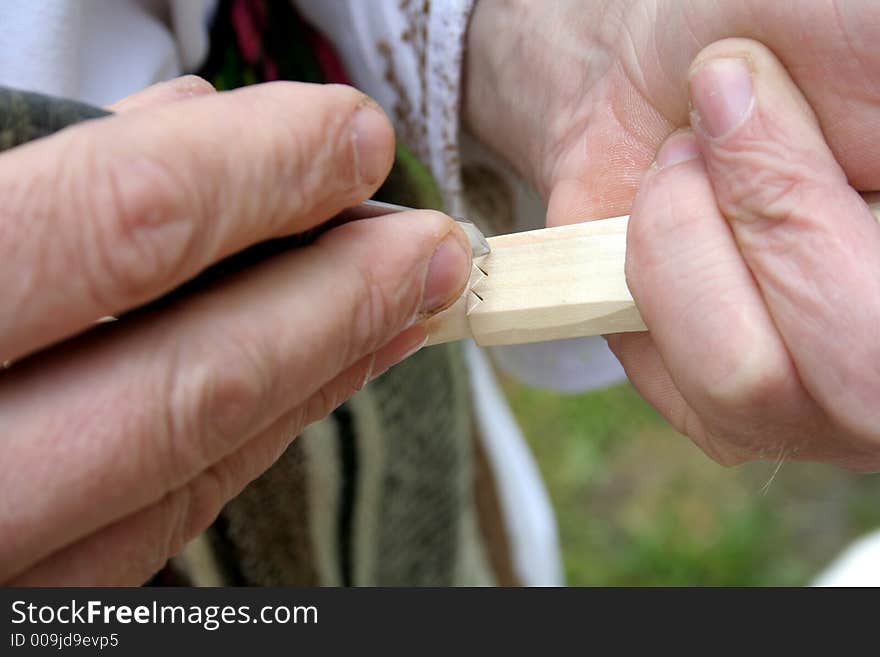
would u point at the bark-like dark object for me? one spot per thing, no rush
(25, 115)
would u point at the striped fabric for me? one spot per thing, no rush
(391, 489)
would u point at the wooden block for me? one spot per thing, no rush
(544, 285)
(550, 284)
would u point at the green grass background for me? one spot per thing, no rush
(638, 504)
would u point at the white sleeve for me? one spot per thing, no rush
(408, 56)
(98, 51)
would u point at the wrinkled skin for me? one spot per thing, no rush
(750, 256)
(121, 442)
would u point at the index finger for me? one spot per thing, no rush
(113, 213)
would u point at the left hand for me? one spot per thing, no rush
(578, 96)
(761, 342)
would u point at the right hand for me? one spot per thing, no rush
(122, 441)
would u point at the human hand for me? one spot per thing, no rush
(754, 264)
(760, 343)
(124, 441)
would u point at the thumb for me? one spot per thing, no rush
(808, 238)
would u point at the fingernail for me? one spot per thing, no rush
(448, 271)
(721, 93)
(373, 142)
(399, 349)
(680, 147)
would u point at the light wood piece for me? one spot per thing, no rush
(549, 284)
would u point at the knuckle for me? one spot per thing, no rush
(660, 209)
(376, 312)
(207, 493)
(314, 150)
(320, 404)
(714, 442)
(351, 381)
(762, 178)
(334, 170)
(764, 194)
(331, 396)
(372, 300)
(637, 262)
(25, 215)
(289, 154)
(137, 236)
(233, 391)
(195, 505)
(215, 397)
(174, 513)
(155, 534)
(751, 382)
(182, 515)
(717, 448)
(708, 440)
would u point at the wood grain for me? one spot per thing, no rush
(549, 284)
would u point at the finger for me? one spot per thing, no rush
(645, 369)
(647, 372)
(705, 313)
(807, 236)
(131, 550)
(137, 411)
(181, 88)
(107, 215)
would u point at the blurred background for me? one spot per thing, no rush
(638, 504)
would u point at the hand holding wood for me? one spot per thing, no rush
(549, 284)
